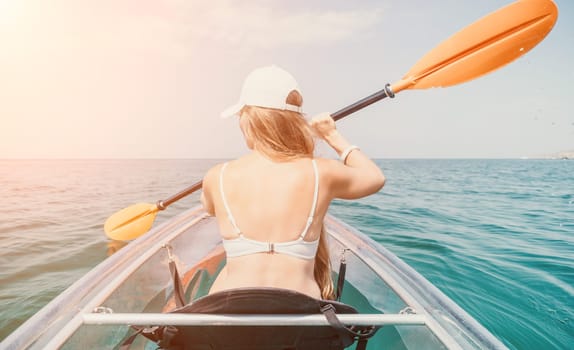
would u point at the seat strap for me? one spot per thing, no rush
(152, 333)
(128, 342)
(178, 294)
(347, 335)
(161, 335)
(342, 275)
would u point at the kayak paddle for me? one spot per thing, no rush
(135, 220)
(489, 43)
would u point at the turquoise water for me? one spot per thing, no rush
(497, 236)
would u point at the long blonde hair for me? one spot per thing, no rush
(286, 135)
(322, 270)
(279, 134)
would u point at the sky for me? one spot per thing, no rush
(148, 79)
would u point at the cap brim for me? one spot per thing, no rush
(232, 111)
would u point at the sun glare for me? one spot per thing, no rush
(8, 7)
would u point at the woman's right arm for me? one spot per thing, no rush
(206, 193)
(358, 176)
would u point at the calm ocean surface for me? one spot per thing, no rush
(497, 236)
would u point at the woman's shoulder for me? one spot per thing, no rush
(212, 174)
(331, 171)
(328, 166)
(214, 169)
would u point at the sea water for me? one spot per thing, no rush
(496, 236)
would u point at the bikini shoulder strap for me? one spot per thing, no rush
(225, 204)
(315, 199)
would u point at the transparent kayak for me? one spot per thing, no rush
(134, 287)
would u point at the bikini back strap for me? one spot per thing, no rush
(315, 199)
(225, 204)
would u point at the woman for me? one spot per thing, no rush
(270, 203)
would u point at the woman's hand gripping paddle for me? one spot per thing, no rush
(486, 45)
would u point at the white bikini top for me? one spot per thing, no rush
(298, 248)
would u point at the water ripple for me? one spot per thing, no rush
(497, 236)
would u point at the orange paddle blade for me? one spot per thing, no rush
(489, 43)
(131, 222)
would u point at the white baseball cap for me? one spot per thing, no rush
(266, 87)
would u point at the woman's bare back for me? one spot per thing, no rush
(271, 202)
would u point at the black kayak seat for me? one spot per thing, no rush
(263, 301)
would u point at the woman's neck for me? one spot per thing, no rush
(256, 154)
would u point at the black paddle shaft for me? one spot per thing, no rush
(162, 204)
(377, 96)
(369, 100)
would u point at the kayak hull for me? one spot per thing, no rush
(135, 284)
